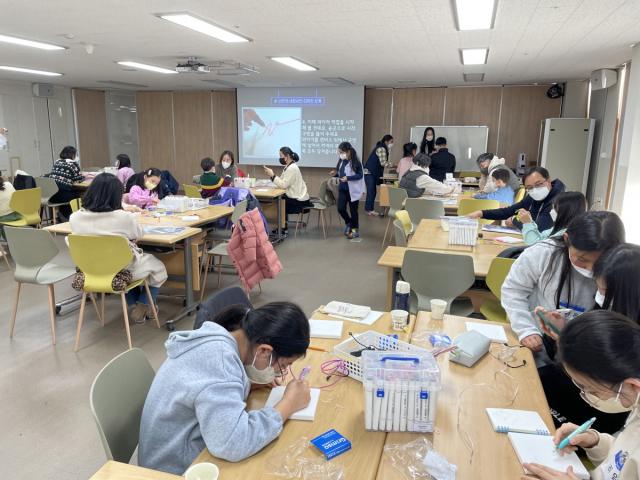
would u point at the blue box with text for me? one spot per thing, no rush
(331, 444)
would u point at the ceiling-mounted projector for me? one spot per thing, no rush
(192, 65)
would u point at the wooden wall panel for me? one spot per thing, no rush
(474, 106)
(414, 106)
(523, 108)
(377, 117)
(155, 130)
(93, 139)
(225, 122)
(193, 133)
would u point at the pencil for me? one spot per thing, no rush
(318, 349)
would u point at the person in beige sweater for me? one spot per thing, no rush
(6, 214)
(600, 350)
(102, 214)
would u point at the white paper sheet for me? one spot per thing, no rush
(326, 329)
(493, 332)
(370, 319)
(308, 413)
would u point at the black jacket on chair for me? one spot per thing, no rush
(442, 163)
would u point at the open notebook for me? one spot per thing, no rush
(541, 449)
(504, 420)
(307, 413)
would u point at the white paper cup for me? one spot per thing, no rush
(202, 471)
(437, 309)
(399, 319)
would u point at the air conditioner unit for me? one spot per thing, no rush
(603, 78)
(43, 90)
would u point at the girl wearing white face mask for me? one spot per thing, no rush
(226, 166)
(146, 189)
(198, 397)
(600, 353)
(566, 207)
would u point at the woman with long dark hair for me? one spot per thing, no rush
(373, 169)
(566, 207)
(428, 144)
(350, 172)
(409, 151)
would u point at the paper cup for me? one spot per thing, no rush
(437, 309)
(399, 319)
(202, 471)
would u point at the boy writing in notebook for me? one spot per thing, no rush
(504, 193)
(211, 183)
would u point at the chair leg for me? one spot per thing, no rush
(219, 270)
(126, 317)
(54, 217)
(385, 232)
(324, 221)
(204, 277)
(153, 307)
(15, 309)
(95, 304)
(297, 222)
(52, 311)
(260, 285)
(306, 224)
(4, 254)
(82, 302)
(102, 308)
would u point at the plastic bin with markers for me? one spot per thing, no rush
(401, 390)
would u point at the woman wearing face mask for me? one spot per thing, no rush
(617, 274)
(66, 172)
(599, 351)
(297, 196)
(226, 167)
(373, 169)
(198, 397)
(349, 171)
(557, 273)
(124, 168)
(410, 150)
(428, 144)
(566, 207)
(144, 192)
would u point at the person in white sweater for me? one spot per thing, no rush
(599, 350)
(6, 214)
(102, 214)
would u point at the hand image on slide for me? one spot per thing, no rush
(267, 129)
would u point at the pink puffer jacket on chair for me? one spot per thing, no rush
(251, 252)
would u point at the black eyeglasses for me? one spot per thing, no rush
(537, 185)
(505, 354)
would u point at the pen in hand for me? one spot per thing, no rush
(581, 429)
(304, 373)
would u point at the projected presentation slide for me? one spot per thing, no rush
(310, 121)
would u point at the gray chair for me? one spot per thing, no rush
(397, 196)
(219, 300)
(329, 200)
(401, 238)
(319, 207)
(423, 209)
(32, 250)
(49, 189)
(117, 398)
(440, 276)
(223, 235)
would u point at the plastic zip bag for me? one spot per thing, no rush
(290, 464)
(418, 460)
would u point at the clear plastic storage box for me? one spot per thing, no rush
(401, 390)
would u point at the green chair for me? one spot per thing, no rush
(469, 173)
(26, 203)
(470, 205)
(117, 399)
(423, 209)
(519, 195)
(397, 196)
(319, 207)
(498, 271)
(401, 237)
(191, 191)
(405, 221)
(439, 276)
(100, 258)
(32, 250)
(76, 204)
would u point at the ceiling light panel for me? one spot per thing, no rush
(475, 14)
(339, 81)
(30, 43)
(147, 67)
(202, 25)
(294, 63)
(27, 70)
(474, 56)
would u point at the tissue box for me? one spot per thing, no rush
(331, 444)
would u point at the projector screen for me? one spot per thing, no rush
(310, 121)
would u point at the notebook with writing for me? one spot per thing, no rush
(504, 420)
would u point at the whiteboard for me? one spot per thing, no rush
(466, 143)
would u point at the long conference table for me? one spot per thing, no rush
(493, 458)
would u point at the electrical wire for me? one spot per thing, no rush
(330, 368)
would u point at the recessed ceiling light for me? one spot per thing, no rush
(473, 77)
(27, 70)
(123, 84)
(146, 67)
(475, 14)
(339, 81)
(30, 43)
(294, 63)
(202, 25)
(474, 56)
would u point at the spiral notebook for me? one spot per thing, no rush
(504, 420)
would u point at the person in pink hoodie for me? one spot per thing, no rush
(144, 193)
(124, 168)
(410, 150)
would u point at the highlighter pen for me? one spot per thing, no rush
(383, 407)
(391, 404)
(368, 401)
(377, 401)
(581, 429)
(397, 406)
(304, 373)
(411, 407)
(403, 405)
(424, 396)
(417, 405)
(433, 397)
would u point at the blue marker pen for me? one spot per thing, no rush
(581, 429)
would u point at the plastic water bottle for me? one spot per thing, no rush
(403, 297)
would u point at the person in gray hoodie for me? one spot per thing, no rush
(558, 273)
(198, 397)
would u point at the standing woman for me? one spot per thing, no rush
(409, 151)
(373, 170)
(66, 172)
(350, 173)
(297, 197)
(124, 168)
(226, 166)
(428, 144)
(146, 188)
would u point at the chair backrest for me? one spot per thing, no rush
(100, 258)
(405, 221)
(396, 197)
(322, 192)
(423, 209)
(117, 398)
(31, 249)
(519, 195)
(470, 173)
(49, 188)
(27, 203)
(76, 204)
(470, 205)
(498, 271)
(191, 191)
(401, 238)
(442, 276)
(219, 300)
(238, 211)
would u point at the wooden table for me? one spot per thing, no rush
(82, 185)
(494, 457)
(430, 236)
(361, 462)
(123, 471)
(452, 209)
(273, 198)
